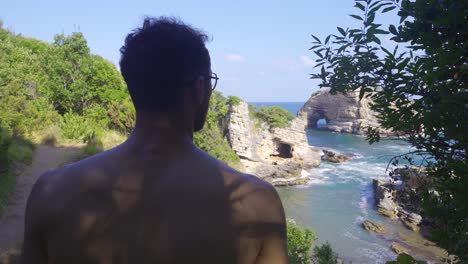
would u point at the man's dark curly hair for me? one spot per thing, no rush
(159, 59)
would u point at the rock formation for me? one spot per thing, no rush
(399, 249)
(384, 197)
(386, 200)
(343, 113)
(277, 155)
(373, 227)
(334, 157)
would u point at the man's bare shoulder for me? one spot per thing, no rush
(254, 197)
(56, 186)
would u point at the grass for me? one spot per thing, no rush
(21, 150)
(14, 150)
(7, 182)
(108, 140)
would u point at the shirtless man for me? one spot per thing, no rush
(157, 198)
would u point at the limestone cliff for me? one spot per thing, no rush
(277, 155)
(343, 113)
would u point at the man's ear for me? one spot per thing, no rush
(200, 90)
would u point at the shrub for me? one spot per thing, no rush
(38, 115)
(274, 116)
(5, 140)
(406, 259)
(93, 146)
(300, 243)
(122, 115)
(11, 149)
(75, 127)
(20, 150)
(210, 140)
(50, 136)
(324, 254)
(7, 181)
(233, 100)
(252, 111)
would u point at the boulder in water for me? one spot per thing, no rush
(399, 249)
(373, 227)
(410, 220)
(334, 157)
(384, 195)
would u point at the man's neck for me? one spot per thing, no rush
(153, 133)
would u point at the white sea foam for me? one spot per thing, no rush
(377, 256)
(350, 235)
(358, 220)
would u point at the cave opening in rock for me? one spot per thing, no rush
(284, 150)
(321, 123)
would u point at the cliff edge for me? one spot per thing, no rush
(277, 155)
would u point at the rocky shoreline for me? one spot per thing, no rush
(397, 199)
(279, 155)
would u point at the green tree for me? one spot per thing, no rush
(419, 92)
(275, 116)
(211, 139)
(324, 254)
(300, 243)
(406, 259)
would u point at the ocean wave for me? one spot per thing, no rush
(378, 256)
(348, 234)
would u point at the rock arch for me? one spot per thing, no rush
(343, 113)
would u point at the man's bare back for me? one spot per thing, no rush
(131, 206)
(157, 198)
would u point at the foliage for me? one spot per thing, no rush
(406, 259)
(20, 150)
(252, 111)
(274, 116)
(233, 100)
(12, 149)
(122, 115)
(75, 126)
(300, 242)
(420, 92)
(324, 254)
(41, 84)
(210, 139)
(93, 146)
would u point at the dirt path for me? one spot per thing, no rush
(12, 219)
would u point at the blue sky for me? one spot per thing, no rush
(259, 48)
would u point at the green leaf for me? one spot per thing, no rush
(356, 17)
(317, 39)
(393, 30)
(380, 31)
(388, 9)
(327, 39)
(377, 40)
(319, 64)
(318, 54)
(360, 6)
(342, 31)
(323, 71)
(371, 18)
(386, 51)
(314, 47)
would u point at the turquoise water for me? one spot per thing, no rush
(340, 196)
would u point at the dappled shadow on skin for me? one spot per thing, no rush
(165, 215)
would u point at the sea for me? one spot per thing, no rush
(340, 196)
